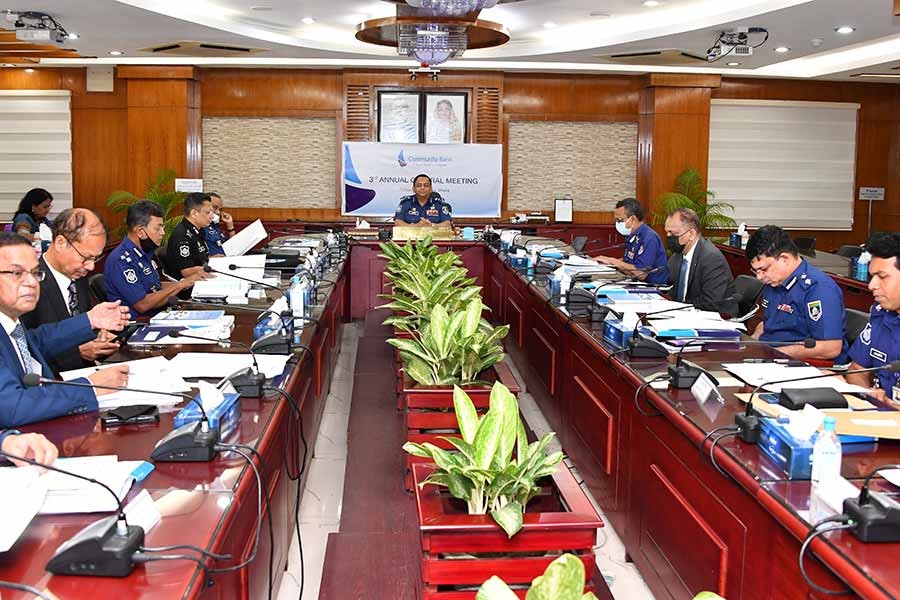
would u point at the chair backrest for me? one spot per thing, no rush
(578, 242)
(855, 323)
(849, 251)
(748, 289)
(162, 259)
(805, 243)
(97, 284)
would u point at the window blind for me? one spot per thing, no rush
(35, 147)
(784, 163)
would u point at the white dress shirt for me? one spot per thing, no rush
(62, 281)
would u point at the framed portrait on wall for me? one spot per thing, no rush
(445, 118)
(398, 117)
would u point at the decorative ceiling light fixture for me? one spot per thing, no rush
(452, 8)
(432, 43)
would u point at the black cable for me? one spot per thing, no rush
(712, 449)
(642, 388)
(146, 558)
(710, 434)
(259, 502)
(21, 587)
(301, 469)
(813, 533)
(212, 555)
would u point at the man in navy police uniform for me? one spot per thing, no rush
(24, 351)
(799, 301)
(131, 273)
(879, 343)
(645, 257)
(186, 251)
(219, 229)
(424, 207)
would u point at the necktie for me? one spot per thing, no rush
(18, 336)
(73, 299)
(682, 280)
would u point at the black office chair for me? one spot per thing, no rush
(748, 289)
(806, 245)
(855, 323)
(578, 243)
(849, 251)
(163, 261)
(97, 283)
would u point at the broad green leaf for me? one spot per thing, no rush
(437, 329)
(495, 589)
(487, 439)
(466, 415)
(708, 596)
(509, 518)
(417, 450)
(413, 347)
(473, 318)
(563, 579)
(521, 442)
(505, 404)
(465, 448)
(418, 370)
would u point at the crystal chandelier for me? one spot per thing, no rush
(451, 7)
(432, 43)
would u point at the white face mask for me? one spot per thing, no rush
(215, 218)
(622, 228)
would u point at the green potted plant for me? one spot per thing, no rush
(162, 191)
(562, 580)
(496, 502)
(690, 192)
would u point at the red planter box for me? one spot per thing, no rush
(560, 519)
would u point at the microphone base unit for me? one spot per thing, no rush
(683, 374)
(249, 385)
(749, 428)
(643, 347)
(187, 443)
(877, 519)
(98, 550)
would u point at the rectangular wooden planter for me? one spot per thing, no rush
(460, 551)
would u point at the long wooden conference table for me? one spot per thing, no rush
(687, 526)
(211, 505)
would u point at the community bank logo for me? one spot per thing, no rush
(401, 160)
(355, 196)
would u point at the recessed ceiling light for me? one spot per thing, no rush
(261, 8)
(845, 29)
(816, 42)
(116, 53)
(884, 75)
(308, 20)
(29, 70)
(73, 36)
(599, 15)
(733, 64)
(782, 49)
(550, 25)
(650, 3)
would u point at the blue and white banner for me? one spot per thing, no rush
(376, 176)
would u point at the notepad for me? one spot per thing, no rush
(24, 493)
(67, 494)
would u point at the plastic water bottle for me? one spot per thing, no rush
(826, 468)
(297, 295)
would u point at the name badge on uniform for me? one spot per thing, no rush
(895, 393)
(786, 308)
(432, 212)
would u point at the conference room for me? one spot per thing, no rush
(450, 299)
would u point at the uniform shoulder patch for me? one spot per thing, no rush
(184, 251)
(815, 309)
(866, 334)
(130, 276)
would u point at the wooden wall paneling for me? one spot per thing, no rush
(561, 95)
(271, 92)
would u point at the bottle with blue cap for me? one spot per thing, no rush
(826, 468)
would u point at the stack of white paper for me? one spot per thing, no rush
(66, 494)
(758, 373)
(23, 494)
(145, 374)
(203, 364)
(244, 240)
(251, 266)
(220, 287)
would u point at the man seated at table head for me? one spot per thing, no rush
(879, 343)
(186, 252)
(220, 228)
(698, 271)
(23, 351)
(27, 445)
(645, 256)
(424, 207)
(79, 237)
(131, 273)
(798, 300)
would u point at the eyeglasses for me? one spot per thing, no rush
(18, 275)
(84, 259)
(762, 270)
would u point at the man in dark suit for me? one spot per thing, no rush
(22, 351)
(698, 272)
(78, 241)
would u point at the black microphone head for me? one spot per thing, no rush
(894, 366)
(809, 343)
(31, 380)
(174, 334)
(232, 267)
(207, 269)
